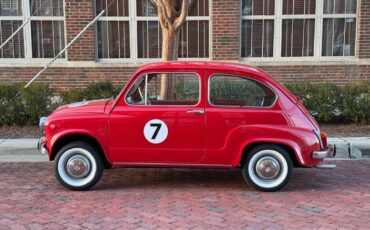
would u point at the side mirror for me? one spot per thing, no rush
(314, 114)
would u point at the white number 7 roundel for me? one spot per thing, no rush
(155, 131)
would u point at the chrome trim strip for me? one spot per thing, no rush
(141, 164)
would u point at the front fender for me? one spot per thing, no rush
(60, 135)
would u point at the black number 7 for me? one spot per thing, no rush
(158, 127)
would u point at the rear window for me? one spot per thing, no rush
(226, 90)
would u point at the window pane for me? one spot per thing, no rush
(46, 7)
(338, 36)
(146, 8)
(298, 37)
(149, 38)
(15, 47)
(258, 7)
(299, 6)
(11, 8)
(198, 8)
(47, 38)
(239, 91)
(165, 89)
(194, 39)
(113, 39)
(117, 8)
(340, 6)
(257, 38)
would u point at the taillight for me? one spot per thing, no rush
(324, 139)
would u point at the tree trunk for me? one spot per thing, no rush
(170, 46)
(172, 15)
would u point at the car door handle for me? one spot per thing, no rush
(196, 111)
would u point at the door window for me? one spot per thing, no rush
(226, 90)
(165, 89)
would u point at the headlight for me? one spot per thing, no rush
(42, 123)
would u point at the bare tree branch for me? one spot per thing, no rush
(184, 11)
(162, 7)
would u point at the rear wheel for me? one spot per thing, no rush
(268, 168)
(78, 166)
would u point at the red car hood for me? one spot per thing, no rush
(95, 106)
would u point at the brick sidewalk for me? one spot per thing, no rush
(182, 198)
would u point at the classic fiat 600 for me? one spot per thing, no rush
(187, 114)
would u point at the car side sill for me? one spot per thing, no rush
(170, 165)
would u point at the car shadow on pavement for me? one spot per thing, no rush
(227, 179)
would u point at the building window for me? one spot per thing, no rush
(139, 31)
(113, 30)
(10, 21)
(42, 37)
(257, 28)
(339, 28)
(298, 28)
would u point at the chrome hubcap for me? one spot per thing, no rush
(267, 168)
(78, 166)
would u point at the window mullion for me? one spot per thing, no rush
(133, 30)
(318, 29)
(27, 30)
(278, 28)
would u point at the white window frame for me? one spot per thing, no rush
(133, 19)
(278, 21)
(27, 35)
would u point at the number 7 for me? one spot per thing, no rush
(158, 127)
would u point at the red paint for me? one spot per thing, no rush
(216, 138)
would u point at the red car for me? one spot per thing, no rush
(187, 114)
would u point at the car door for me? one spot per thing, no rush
(236, 100)
(160, 119)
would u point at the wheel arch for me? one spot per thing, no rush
(288, 147)
(68, 138)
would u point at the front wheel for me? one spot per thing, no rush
(78, 166)
(268, 168)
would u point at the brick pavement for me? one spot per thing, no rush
(30, 198)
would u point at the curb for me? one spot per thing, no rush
(25, 150)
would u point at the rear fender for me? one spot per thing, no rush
(302, 141)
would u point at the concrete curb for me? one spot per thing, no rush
(25, 150)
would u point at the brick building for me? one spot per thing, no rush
(312, 40)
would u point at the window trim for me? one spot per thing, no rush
(196, 105)
(235, 106)
(133, 20)
(278, 18)
(27, 34)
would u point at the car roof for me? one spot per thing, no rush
(214, 65)
(199, 65)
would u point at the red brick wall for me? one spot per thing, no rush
(65, 78)
(364, 29)
(225, 46)
(78, 14)
(225, 29)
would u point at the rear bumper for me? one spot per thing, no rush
(41, 146)
(329, 152)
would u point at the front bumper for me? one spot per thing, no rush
(41, 146)
(329, 152)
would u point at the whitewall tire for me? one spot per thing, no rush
(78, 166)
(268, 167)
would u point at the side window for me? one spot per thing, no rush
(228, 90)
(165, 89)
